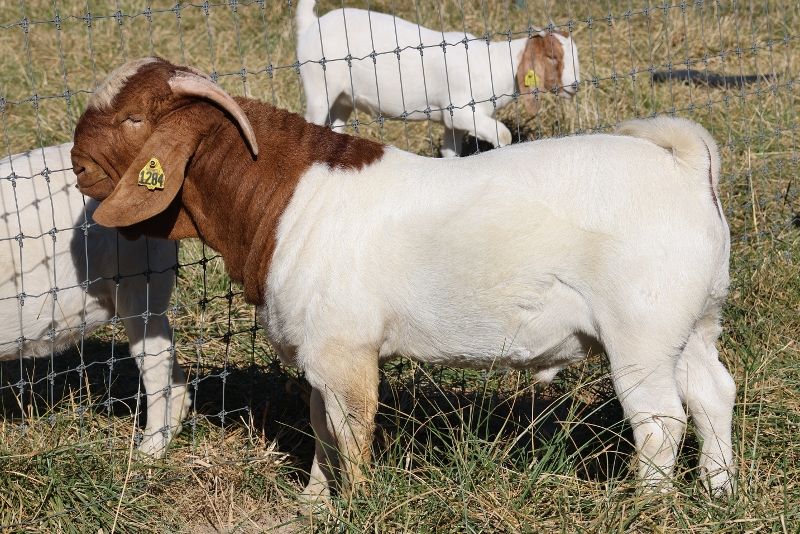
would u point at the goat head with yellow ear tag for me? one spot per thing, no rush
(531, 80)
(152, 175)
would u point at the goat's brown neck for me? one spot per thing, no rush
(236, 202)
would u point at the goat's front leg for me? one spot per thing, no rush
(343, 407)
(482, 126)
(167, 398)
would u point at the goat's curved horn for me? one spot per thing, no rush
(190, 84)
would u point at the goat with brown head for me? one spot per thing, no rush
(542, 67)
(151, 118)
(356, 252)
(167, 111)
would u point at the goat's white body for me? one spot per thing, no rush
(51, 296)
(459, 264)
(518, 258)
(410, 84)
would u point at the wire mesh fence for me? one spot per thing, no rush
(732, 66)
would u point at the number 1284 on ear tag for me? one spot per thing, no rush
(152, 175)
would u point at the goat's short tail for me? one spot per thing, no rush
(304, 15)
(690, 143)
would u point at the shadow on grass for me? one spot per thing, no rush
(233, 395)
(589, 439)
(427, 414)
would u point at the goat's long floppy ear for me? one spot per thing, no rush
(156, 175)
(153, 179)
(529, 72)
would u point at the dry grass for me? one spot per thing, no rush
(457, 451)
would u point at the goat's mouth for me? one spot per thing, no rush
(97, 185)
(93, 181)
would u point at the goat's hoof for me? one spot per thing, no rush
(657, 487)
(720, 484)
(154, 445)
(314, 499)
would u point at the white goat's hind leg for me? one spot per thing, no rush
(347, 384)
(709, 392)
(645, 384)
(452, 142)
(167, 397)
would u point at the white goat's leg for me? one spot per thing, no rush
(709, 392)
(645, 384)
(168, 399)
(483, 127)
(452, 142)
(324, 465)
(346, 381)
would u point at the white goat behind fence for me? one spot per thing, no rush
(64, 276)
(390, 67)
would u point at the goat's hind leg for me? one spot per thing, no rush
(644, 379)
(709, 392)
(344, 404)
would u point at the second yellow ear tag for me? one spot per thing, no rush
(531, 80)
(152, 175)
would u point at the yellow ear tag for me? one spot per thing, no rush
(152, 175)
(531, 79)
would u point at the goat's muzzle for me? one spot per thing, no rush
(92, 181)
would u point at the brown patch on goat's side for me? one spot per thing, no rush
(236, 203)
(545, 56)
(229, 199)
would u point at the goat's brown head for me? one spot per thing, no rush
(548, 63)
(148, 116)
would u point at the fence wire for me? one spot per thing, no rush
(633, 58)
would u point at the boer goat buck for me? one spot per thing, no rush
(399, 69)
(355, 252)
(65, 276)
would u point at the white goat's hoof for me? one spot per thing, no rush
(657, 487)
(154, 445)
(719, 484)
(505, 138)
(314, 499)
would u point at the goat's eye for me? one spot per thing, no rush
(133, 120)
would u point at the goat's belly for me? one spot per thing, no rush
(394, 106)
(545, 329)
(545, 362)
(43, 327)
